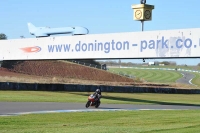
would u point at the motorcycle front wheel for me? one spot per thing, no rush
(87, 104)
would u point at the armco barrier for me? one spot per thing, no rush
(170, 69)
(92, 88)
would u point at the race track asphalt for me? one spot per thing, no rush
(17, 108)
(186, 79)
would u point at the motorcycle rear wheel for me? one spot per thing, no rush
(97, 105)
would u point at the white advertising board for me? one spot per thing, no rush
(148, 44)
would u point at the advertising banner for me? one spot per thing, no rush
(130, 45)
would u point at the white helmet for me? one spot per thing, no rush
(97, 90)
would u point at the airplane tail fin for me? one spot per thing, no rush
(31, 27)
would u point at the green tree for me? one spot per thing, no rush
(3, 36)
(165, 62)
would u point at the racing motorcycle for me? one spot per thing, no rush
(93, 101)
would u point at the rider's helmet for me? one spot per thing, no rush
(97, 90)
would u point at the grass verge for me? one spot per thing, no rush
(110, 98)
(196, 80)
(187, 121)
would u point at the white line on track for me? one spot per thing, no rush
(85, 110)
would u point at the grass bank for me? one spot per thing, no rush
(159, 76)
(196, 80)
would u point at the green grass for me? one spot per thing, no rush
(108, 98)
(179, 121)
(196, 80)
(187, 121)
(172, 67)
(159, 76)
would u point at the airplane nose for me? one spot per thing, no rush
(80, 31)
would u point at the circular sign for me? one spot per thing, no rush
(147, 14)
(138, 14)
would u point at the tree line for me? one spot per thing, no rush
(3, 36)
(156, 63)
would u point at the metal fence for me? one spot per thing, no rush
(122, 74)
(103, 67)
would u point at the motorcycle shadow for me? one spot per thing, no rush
(102, 108)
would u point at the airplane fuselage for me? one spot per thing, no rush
(47, 31)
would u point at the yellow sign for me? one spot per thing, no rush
(138, 14)
(143, 12)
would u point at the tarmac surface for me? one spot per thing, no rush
(186, 79)
(19, 108)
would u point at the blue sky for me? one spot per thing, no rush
(105, 16)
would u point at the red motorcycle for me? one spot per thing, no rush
(93, 101)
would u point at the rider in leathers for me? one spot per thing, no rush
(98, 94)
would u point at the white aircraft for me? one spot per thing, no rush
(47, 31)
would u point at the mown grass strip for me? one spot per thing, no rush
(108, 98)
(196, 80)
(161, 76)
(187, 121)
